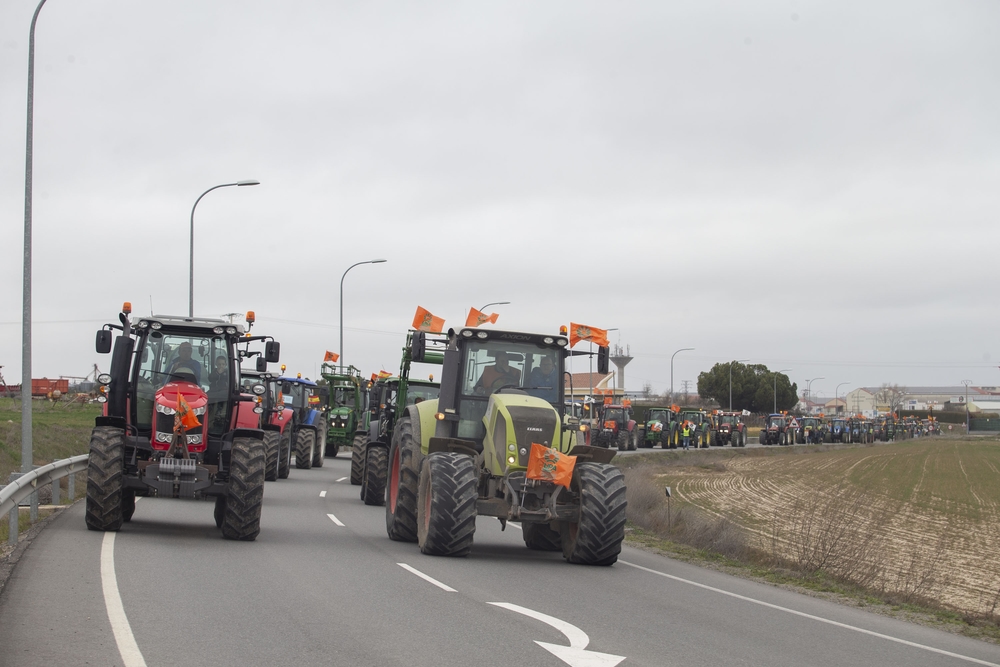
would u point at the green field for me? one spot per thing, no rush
(59, 430)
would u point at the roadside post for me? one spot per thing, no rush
(669, 524)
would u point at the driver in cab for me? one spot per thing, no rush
(184, 364)
(497, 375)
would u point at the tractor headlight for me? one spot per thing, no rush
(562, 342)
(259, 389)
(165, 409)
(104, 378)
(511, 459)
(482, 334)
(199, 411)
(143, 324)
(155, 326)
(230, 330)
(218, 330)
(467, 333)
(548, 340)
(512, 447)
(101, 398)
(258, 408)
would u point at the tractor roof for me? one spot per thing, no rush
(304, 381)
(472, 333)
(175, 322)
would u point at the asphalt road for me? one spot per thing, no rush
(311, 591)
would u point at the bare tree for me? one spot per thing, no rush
(891, 395)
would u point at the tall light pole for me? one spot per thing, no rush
(27, 460)
(736, 361)
(967, 383)
(191, 258)
(370, 261)
(493, 303)
(809, 384)
(836, 396)
(776, 374)
(672, 369)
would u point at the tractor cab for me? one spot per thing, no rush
(660, 415)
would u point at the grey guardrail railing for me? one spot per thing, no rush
(28, 483)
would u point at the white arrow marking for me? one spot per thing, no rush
(335, 520)
(574, 654)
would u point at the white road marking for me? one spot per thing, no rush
(335, 520)
(812, 617)
(341, 479)
(574, 654)
(129, 650)
(423, 576)
(322, 494)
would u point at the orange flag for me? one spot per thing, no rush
(424, 321)
(187, 417)
(476, 318)
(331, 356)
(550, 465)
(384, 374)
(578, 332)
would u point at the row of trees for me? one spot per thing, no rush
(754, 387)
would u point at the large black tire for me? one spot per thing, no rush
(541, 537)
(105, 473)
(714, 441)
(220, 510)
(376, 472)
(319, 451)
(595, 538)
(674, 437)
(272, 443)
(128, 504)
(358, 458)
(621, 440)
(401, 484)
(633, 440)
(245, 494)
(446, 504)
(285, 455)
(305, 445)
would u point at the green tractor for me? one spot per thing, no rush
(345, 406)
(661, 428)
(467, 453)
(701, 426)
(390, 397)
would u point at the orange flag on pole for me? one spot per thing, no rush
(187, 416)
(384, 374)
(425, 321)
(550, 465)
(331, 356)
(477, 317)
(578, 332)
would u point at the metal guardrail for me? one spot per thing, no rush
(22, 486)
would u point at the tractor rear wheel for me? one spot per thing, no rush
(319, 451)
(245, 494)
(105, 472)
(714, 438)
(220, 510)
(305, 443)
(376, 471)
(595, 538)
(401, 484)
(128, 504)
(272, 445)
(358, 458)
(446, 504)
(633, 441)
(621, 441)
(284, 455)
(672, 439)
(541, 537)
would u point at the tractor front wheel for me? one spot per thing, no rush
(284, 455)
(541, 537)
(305, 443)
(376, 471)
(595, 538)
(105, 472)
(245, 495)
(319, 451)
(272, 447)
(401, 484)
(446, 504)
(621, 441)
(358, 458)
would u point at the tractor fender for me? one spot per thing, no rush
(281, 419)
(311, 418)
(423, 422)
(631, 425)
(245, 416)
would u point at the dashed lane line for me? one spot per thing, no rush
(322, 494)
(341, 479)
(423, 576)
(335, 520)
(828, 621)
(129, 650)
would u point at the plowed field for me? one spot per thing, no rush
(920, 518)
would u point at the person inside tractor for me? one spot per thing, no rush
(184, 365)
(543, 380)
(498, 375)
(218, 378)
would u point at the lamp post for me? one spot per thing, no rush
(191, 258)
(967, 383)
(809, 384)
(370, 261)
(672, 369)
(776, 386)
(836, 396)
(493, 303)
(737, 361)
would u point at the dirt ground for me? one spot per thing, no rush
(920, 519)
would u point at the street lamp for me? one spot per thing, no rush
(809, 384)
(191, 259)
(370, 261)
(672, 369)
(737, 361)
(776, 386)
(967, 383)
(836, 396)
(494, 303)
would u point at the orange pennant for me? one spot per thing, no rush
(331, 356)
(578, 332)
(550, 465)
(187, 416)
(477, 317)
(425, 321)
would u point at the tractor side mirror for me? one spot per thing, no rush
(418, 346)
(603, 353)
(272, 351)
(103, 341)
(261, 364)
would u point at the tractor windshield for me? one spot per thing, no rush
(164, 357)
(693, 417)
(659, 416)
(775, 422)
(614, 414)
(728, 419)
(342, 397)
(420, 392)
(809, 423)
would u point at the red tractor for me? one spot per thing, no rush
(729, 429)
(176, 422)
(616, 427)
(275, 421)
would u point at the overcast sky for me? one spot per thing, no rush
(811, 186)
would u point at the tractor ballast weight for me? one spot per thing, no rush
(176, 423)
(466, 454)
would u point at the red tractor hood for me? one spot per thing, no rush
(192, 393)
